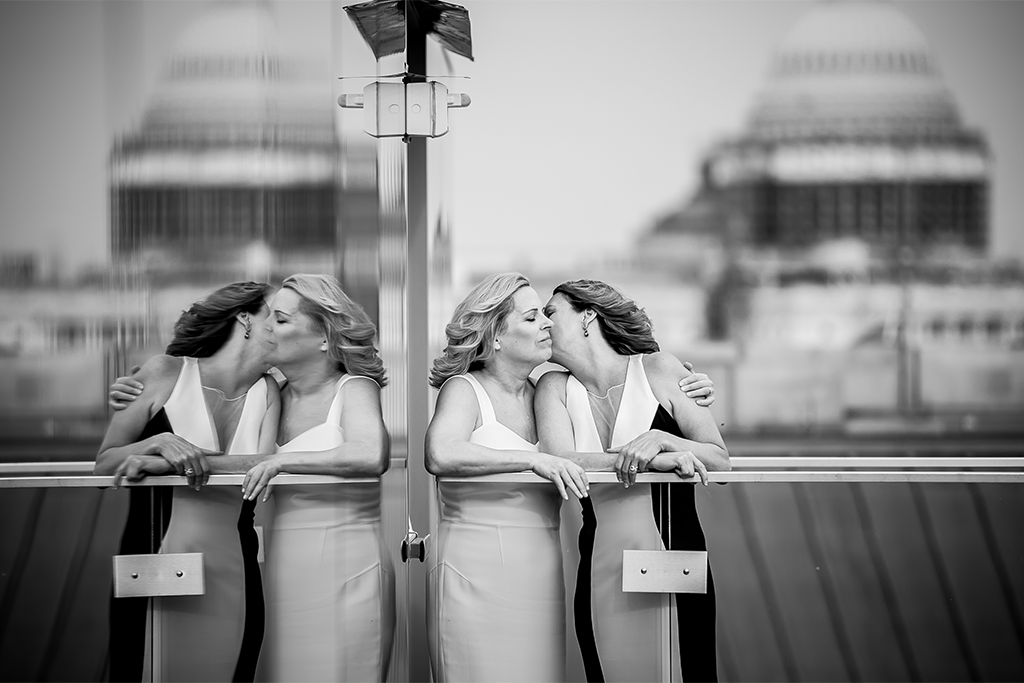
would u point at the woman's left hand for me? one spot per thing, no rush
(258, 478)
(635, 456)
(698, 386)
(137, 467)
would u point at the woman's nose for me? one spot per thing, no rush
(545, 322)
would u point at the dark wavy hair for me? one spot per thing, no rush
(204, 328)
(625, 326)
(349, 331)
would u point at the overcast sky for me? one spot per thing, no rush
(588, 117)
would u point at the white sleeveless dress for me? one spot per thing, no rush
(496, 597)
(201, 635)
(631, 629)
(330, 581)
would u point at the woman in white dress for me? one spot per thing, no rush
(208, 395)
(330, 581)
(496, 597)
(619, 408)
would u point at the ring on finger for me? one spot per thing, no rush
(189, 471)
(632, 468)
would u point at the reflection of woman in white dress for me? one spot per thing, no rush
(208, 395)
(496, 609)
(330, 581)
(619, 408)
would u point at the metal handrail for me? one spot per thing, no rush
(745, 469)
(67, 475)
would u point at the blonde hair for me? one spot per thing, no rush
(350, 332)
(476, 322)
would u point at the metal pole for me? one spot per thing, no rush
(418, 351)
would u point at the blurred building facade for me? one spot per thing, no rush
(836, 250)
(236, 168)
(235, 171)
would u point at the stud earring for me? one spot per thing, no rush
(586, 332)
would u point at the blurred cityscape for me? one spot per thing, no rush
(836, 252)
(834, 271)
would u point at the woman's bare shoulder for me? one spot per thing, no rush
(160, 368)
(553, 381)
(662, 364)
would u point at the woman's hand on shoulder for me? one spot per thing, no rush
(669, 377)
(697, 386)
(564, 474)
(125, 389)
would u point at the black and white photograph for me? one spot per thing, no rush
(511, 340)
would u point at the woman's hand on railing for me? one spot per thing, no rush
(258, 478)
(684, 463)
(136, 467)
(635, 456)
(186, 458)
(564, 474)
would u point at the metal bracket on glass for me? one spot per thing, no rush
(138, 576)
(414, 547)
(664, 571)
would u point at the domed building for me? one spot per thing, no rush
(235, 170)
(855, 135)
(841, 238)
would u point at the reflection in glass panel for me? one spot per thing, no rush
(55, 553)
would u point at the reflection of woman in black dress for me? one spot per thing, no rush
(619, 408)
(205, 396)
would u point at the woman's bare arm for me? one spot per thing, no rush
(697, 423)
(121, 441)
(449, 451)
(554, 426)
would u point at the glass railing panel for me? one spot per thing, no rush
(55, 585)
(58, 575)
(853, 568)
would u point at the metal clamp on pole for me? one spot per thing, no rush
(414, 547)
(168, 574)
